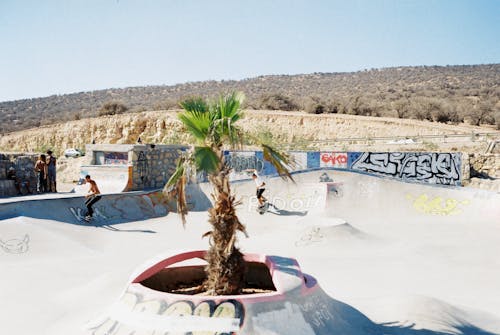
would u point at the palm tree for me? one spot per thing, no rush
(213, 126)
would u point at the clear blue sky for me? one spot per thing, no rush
(55, 47)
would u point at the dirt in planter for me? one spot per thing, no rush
(196, 288)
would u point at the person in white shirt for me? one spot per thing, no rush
(261, 186)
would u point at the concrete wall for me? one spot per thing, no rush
(150, 165)
(415, 167)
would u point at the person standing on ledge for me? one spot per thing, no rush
(41, 173)
(92, 197)
(51, 175)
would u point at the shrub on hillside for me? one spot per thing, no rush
(482, 114)
(496, 116)
(278, 101)
(402, 108)
(446, 115)
(112, 108)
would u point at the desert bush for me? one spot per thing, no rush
(278, 101)
(358, 106)
(447, 116)
(496, 116)
(112, 108)
(482, 114)
(314, 105)
(402, 108)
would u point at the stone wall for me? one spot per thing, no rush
(484, 165)
(151, 165)
(24, 164)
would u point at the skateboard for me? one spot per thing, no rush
(79, 214)
(261, 209)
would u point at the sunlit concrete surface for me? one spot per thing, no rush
(391, 257)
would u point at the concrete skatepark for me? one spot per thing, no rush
(390, 257)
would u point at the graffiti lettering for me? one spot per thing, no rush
(310, 236)
(142, 168)
(79, 213)
(318, 310)
(241, 163)
(211, 318)
(333, 159)
(434, 168)
(15, 245)
(287, 320)
(437, 205)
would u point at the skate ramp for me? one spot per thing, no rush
(354, 196)
(110, 178)
(441, 248)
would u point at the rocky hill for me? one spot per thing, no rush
(291, 130)
(442, 94)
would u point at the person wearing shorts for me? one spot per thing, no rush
(92, 197)
(261, 187)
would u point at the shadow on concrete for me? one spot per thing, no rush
(112, 209)
(284, 212)
(111, 228)
(350, 321)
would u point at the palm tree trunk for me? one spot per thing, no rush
(226, 267)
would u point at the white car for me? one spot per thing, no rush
(72, 152)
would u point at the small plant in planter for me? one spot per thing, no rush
(213, 125)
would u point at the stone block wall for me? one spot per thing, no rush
(24, 164)
(152, 165)
(484, 165)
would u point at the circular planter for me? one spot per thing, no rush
(293, 302)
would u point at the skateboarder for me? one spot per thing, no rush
(92, 197)
(261, 186)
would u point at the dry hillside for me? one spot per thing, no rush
(291, 130)
(439, 93)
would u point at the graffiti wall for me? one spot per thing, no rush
(421, 167)
(417, 167)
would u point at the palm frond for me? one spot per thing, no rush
(176, 186)
(282, 161)
(197, 124)
(227, 112)
(206, 159)
(194, 104)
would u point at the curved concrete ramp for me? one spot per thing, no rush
(110, 178)
(111, 209)
(391, 258)
(351, 196)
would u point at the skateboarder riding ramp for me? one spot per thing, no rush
(109, 178)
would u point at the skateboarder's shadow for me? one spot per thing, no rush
(113, 228)
(284, 212)
(108, 227)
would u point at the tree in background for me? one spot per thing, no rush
(213, 125)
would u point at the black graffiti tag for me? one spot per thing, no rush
(241, 163)
(435, 168)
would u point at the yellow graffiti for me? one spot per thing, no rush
(437, 205)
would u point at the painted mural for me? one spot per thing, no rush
(421, 167)
(176, 317)
(417, 167)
